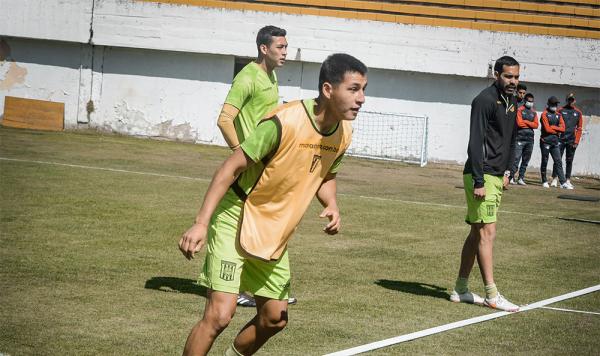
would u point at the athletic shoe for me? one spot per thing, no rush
(571, 184)
(566, 185)
(467, 297)
(512, 181)
(500, 303)
(554, 182)
(545, 185)
(521, 182)
(245, 300)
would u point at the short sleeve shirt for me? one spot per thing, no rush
(254, 93)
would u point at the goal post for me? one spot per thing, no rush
(390, 136)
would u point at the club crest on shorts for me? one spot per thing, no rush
(227, 271)
(490, 210)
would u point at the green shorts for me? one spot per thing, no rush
(483, 211)
(228, 269)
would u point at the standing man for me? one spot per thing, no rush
(569, 140)
(552, 126)
(521, 92)
(491, 144)
(527, 121)
(253, 205)
(254, 91)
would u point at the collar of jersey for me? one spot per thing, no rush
(309, 106)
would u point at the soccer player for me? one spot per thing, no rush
(569, 140)
(254, 91)
(257, 198)
(527, 121)
(491, 144)
(552, 126)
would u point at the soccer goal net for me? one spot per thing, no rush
(388, 136)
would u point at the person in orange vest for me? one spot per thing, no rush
(552, 126)
(527, 121)
(256, 200)
(569, 140)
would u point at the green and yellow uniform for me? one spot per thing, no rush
(249, 231)
(254, 93)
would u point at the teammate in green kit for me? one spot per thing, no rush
(254, 91)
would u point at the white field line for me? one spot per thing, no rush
(571, 310)
(208, 180)
(104, 169)
(458, 324)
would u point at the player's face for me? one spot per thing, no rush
(348, 96)
(276, 52)
(521, 94)
(508, 79)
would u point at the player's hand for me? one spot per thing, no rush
(505, 182)
(479, 193)
(333, 214)
(575, 145)
(193, 240)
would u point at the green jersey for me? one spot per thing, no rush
(254, 93)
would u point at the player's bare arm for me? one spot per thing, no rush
(195, 237)
(327, 197)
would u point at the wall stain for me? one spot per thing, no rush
(10, 73)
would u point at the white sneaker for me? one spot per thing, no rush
(467, 297)
(512, 181)
(554, 182)
(521, 182)
(545, 185)
(566, 185)
(571, 184)
(501, 303)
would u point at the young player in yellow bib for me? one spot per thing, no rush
(257, 198)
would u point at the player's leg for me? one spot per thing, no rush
(515, 166)
(269, 282)
(527, 150)
(545, 150)
(218, 312)
(271, 317)
(570, 155)
(556, 157)
(561, 147)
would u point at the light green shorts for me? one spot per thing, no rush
(483, 211)
(227, 269)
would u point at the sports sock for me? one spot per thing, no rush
(462, 285)
(231, 351)
(491, 291)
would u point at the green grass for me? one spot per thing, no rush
(89, 263)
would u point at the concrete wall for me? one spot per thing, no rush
(164, 70)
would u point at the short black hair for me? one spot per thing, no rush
(265, 35)
(336, 66)
(504, 61)
(521, 86)
(528, 95)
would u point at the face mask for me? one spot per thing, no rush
(528, 104)
(552, 108)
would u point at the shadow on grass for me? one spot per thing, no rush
(415, 288)
(175, 285)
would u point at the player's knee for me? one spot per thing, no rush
(274, 321)
(218, 319)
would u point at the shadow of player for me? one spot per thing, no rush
(415, 288)
(175, 285)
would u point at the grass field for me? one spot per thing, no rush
(89, 263)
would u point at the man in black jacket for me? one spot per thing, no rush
(491, 147)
